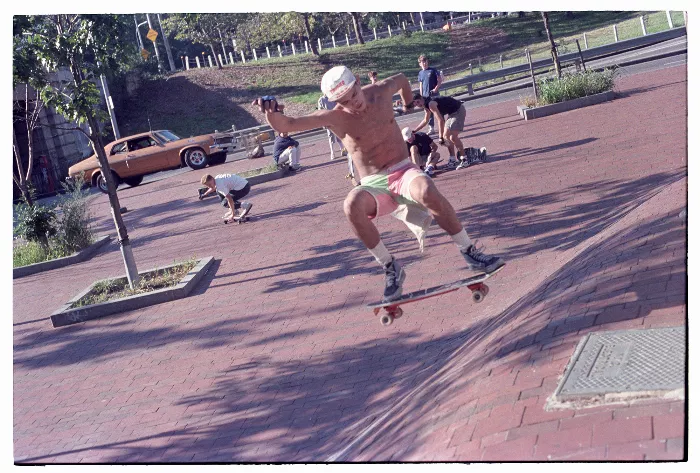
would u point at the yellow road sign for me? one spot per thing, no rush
(145, 54)
(152, 35)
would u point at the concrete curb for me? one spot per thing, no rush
(67, 316)
(270, 176)
(545, 110)
(76, 257)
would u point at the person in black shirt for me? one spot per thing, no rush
(422, 150)
(450, 115)
(287, 151)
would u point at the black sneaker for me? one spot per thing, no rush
(395, 276)
(478, 261)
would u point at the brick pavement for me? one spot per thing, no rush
(274, 358)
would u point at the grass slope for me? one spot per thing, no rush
(203, 100)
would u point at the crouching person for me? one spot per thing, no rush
(287, 152)
(422, 150)
(231, 188)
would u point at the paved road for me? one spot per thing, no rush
(275, 358)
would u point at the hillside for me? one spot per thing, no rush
(203, 100)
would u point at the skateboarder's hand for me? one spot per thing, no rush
(268, 104)
(441, 140)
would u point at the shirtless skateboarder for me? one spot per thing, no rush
(363, 119)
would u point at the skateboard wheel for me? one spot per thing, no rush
(386, 319)
(397, 313)
(225, 222)
(477, 296)
(485, 289)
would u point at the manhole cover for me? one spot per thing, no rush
(625, 361)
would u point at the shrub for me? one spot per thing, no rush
(33, 252)
(73, 228)
(35, 223)
(575, 85)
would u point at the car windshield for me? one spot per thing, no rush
(166, 136)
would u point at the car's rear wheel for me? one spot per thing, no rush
(196, 158)
(101, 182)
(134, 180)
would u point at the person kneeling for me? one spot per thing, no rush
(422, 150)
(287, 152)
(230, 188)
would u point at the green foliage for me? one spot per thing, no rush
(35, 223)
(87, 45)
(32, 252)
(572, 86)
(73, 229)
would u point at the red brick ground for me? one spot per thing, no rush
(274, 358)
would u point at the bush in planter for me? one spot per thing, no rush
(73, 228)
(575, 85)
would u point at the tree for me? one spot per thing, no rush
(28, 114)
(198, 27)
(86, 46)
(358, 26)
(307, 29)
(555, 56)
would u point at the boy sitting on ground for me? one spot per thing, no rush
(286, 152)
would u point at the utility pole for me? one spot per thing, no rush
(138, 34)
(110, 107)
(155, 45)
(167, 45)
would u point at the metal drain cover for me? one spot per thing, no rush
(625, 361)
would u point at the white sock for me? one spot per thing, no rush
(381, 254)
(462, 240)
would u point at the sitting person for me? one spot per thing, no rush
(422, 150)
(286, 152)
(230, 188)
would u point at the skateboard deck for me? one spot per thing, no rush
(392, 309)
(237, 220)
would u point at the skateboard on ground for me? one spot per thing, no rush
(237, 219)
(392, 310)
(475, 155)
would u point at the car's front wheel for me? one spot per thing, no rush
(196, 158)
(133, 181)
(101, 182)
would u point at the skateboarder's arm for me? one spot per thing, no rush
(284, 124)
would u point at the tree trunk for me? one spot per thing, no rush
(357, 26)
(307, 27)
(127, 253)
(213, 53)
(20, 178)
(413, 19)
(555, 56)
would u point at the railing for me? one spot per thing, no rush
(470, 80)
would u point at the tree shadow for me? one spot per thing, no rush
(379, 394)
(530, 220)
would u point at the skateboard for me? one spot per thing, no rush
(392, 309)
(237, 219)
(474, 155)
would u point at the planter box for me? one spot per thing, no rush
(529, 113)
(270, 176)
(67, 316)
(76, 257)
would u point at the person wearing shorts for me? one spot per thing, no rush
(450, 115)
(363, 120)
(231, 188)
